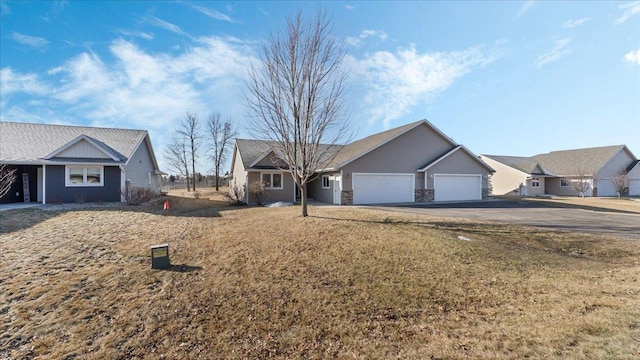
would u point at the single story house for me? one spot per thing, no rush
(552, 173)
(411, 163)
(65, 164)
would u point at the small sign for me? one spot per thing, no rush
(160, 257)
(25, 187)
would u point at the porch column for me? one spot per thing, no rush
(44, 183)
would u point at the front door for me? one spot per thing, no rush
(337, 189)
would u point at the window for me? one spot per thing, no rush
(535, 182)
(564, 183)
(271, 181)
(85, 176)
(325, 181)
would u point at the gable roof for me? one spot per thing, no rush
(34, 143)
(452, 151)
(587, 161)
(252, 152)
(632, 165)
(357, 149)
(564, 162)
(102, 147)
(525, 164)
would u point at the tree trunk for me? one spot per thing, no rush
(217, 179)
(303, 200)
(193, 167)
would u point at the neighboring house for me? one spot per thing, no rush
(411, 163)
(57, 163)
(552, 173)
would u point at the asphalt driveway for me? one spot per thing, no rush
(617, 224)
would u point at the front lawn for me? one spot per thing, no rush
(342, 283)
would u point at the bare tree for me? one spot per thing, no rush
(295, 97)
(176, 156)
(190, 130)
(582, 182)
(620, 183)
(221, 135)
(7, 178)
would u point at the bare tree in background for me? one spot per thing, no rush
(295, 97)
(582, 182)
(190, 130)
(7, 178)
(221, 135)
(176, 156)
(620, 183)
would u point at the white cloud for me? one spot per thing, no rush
(140, 34)
(396, 82)
(358, 41)
(524, 8)
(138, 90)
(633, 57)
(33, 41)
(214, 14)
(13, 82)
(570, 24)
(630, 9)
(349, 7)
(165, 25)
(560, 50)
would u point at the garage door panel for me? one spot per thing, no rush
(605, 188)
(383, 188)
(457, 187)
(634, 187)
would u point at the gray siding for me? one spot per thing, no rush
(404, 154)
(57, 192)
(457, 163)
(285, 194)
(316, 191)
(139, 167)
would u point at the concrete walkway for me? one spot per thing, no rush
(22, 205)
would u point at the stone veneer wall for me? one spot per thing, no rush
(424, 195)
(485, 193)
(346, 197)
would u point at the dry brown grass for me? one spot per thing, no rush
(343, 283)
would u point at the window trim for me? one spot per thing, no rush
(271, 173)
(535, 182)
(84, 183)
(326, 177)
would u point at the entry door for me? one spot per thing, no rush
(337, 189)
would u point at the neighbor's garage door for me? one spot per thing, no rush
(457, 187)
(634, 187)
(383, 188)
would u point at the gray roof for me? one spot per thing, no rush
(253, 150)
(338, 156)
(524, 164)
(26, 142)
(587, 161)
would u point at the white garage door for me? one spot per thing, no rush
(383, 188)
(457, 187)
(634, 187)
(605, 188)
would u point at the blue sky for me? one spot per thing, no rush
(507, 78)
